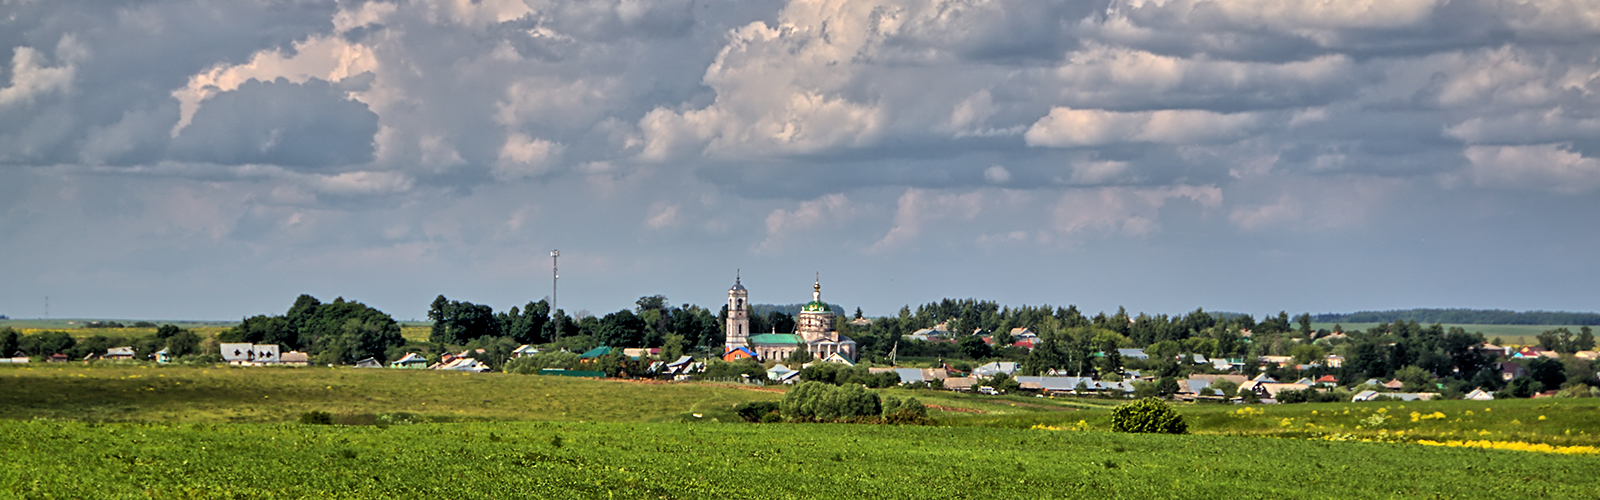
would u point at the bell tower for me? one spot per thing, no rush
(738, 327)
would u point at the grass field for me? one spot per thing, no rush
(661, 460)
(219, 432)
(144, 393)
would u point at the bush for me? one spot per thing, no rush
(819, 402)
(316, 418)
(908, 412)
(756, 411)
(1148, 415)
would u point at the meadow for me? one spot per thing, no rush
(123, 431)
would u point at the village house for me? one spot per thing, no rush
(119, 353)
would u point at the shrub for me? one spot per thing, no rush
(820, 402)
(1148, 415)
(756, 411)
(316, 418)
(908, 412)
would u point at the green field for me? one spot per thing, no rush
(220, 432)
(614, 460)
(1511, 334)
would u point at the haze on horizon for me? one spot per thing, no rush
(207, 159)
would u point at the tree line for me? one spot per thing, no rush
(338, 332)
(1465, 317)
(179, 342)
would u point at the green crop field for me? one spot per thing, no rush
(48, 459)
(111, 431)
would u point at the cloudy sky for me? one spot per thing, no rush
(211, 159)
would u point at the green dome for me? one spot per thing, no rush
(816, 306)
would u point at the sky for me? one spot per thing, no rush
(214, 159)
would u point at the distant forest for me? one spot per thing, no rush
(1464, 316)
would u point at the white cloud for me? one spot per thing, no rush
(663, 216)
(918, 208)
(1067, 127)
(1123, 210)
(785, 226)
(328, 58)
(31, 77)
(997, 175)
(525, 157)
(1550, 167)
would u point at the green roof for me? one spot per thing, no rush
(596, 352)
(776, 339)
(816, 306)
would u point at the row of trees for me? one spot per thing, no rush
(178, 342)
(338, 332)
(1465, 316)
(652, 323)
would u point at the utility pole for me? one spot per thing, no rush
(555, 279)
(47, 307)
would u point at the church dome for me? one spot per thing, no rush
(737, 287)
(815, 306)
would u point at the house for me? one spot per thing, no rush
(960, 383)
(638, 353)
(1270, 390)
(295, 358)
(1509, 370)
(1497, 351)
(1479, 395)
(777, 371)
(1589, 355)
(119, 353)
(1264, 379)
(58, 358)
(410, 361)
(465, 365)
(1528, 352)
(369, 362)
(1403, 396)
(245, 353)
(861, 322)
(163, 356)
(990, 369)
(677, 367)
(90, 357)
(1133, 354)
(1395, 384)
(524, 350)
(1333, 361)
(1306, 381)
(837, 358)
(1373, 382)
(1327, 380)
(914, 375)
(1024, 343)
(1192, 386)
(1281, 361)
(1023, 333)
(738, 353)
(592, 354)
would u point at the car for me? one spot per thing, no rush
(987, 390)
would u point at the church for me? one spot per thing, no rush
(814, 329)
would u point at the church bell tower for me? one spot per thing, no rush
(738, 328)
